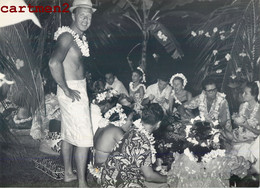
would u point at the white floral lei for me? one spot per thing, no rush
(82, 44)
(122, 116)
(207, 157)
(193, 140)
(175, 98)
(214, 111)
(251, 118)
(131, 85)
(105, 95)
(179, 75)
(148, 135)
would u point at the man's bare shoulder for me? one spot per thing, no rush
(65, 38)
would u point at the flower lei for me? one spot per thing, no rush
(175, 98)
(122, 116)
(82, 44)
(20, 121)
(96, 172)
(214, 111)
(104, 96)
(179, 75)
(193, 140)
(207, 157)
(131, 85)
(252, 115)
(148, 135)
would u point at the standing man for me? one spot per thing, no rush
(67, 69)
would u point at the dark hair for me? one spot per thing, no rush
(254, 89)
(208, 81)
(163, 77)
(115, 117)
(110, 72)
(152, 113)
(113, 100)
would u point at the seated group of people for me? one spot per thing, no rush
(120, 158)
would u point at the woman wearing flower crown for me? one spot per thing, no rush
(130, 163)
(137, 88)
(248, 122)
(179, 95)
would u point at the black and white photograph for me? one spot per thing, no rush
(129, 93)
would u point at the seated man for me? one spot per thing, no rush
(212, 105)
(158, 93)
(130, 163)
(113, 82)
(106, 137)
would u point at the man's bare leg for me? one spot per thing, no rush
(67, 150)
(81, 155)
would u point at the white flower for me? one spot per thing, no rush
(242, 54)
(155, 55)
(232, 30)
(221, 32)
(179, 75)
(201, 32)
(233, 76)
(207, 34)
(216, 62)
(228, 57)
(215, 123)
(215, 52)
(238, 69)
(193, 34)
(222, 37)
(203, 144)
(219, 71)
(215, 29)
(162, 36)
(216, 138)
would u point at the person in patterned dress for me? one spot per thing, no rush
(130, 163)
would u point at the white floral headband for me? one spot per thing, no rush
(122, 116)
(258, 84)
(179, 75)
(140, 69)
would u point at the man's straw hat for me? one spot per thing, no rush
(82, 3)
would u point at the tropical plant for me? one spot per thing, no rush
(230, 44)
(146, 16)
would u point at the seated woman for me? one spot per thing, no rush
(137, 88)
(130, 163)
(119, 121)
(179, 95)
(248, 122)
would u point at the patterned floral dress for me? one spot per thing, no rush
(135, 93)
(123, 167)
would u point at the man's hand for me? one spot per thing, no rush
(73, 94)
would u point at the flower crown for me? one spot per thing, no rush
(105, 95)
(122, 116)
(143, 77)
(179, 75)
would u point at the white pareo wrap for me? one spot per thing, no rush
(76, 127)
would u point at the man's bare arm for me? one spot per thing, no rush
(62, 47)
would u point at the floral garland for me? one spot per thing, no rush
(96, 172)
(207, 157)
(148, 135)
(20, 121)
(3, 80)
(193, 140)
(106, 95)
(214, 111)
(82, 44)
(175, 98)
(251, 119)
(131, 86)
(122, 116)
(179, 75)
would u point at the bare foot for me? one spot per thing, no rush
(70, 177)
